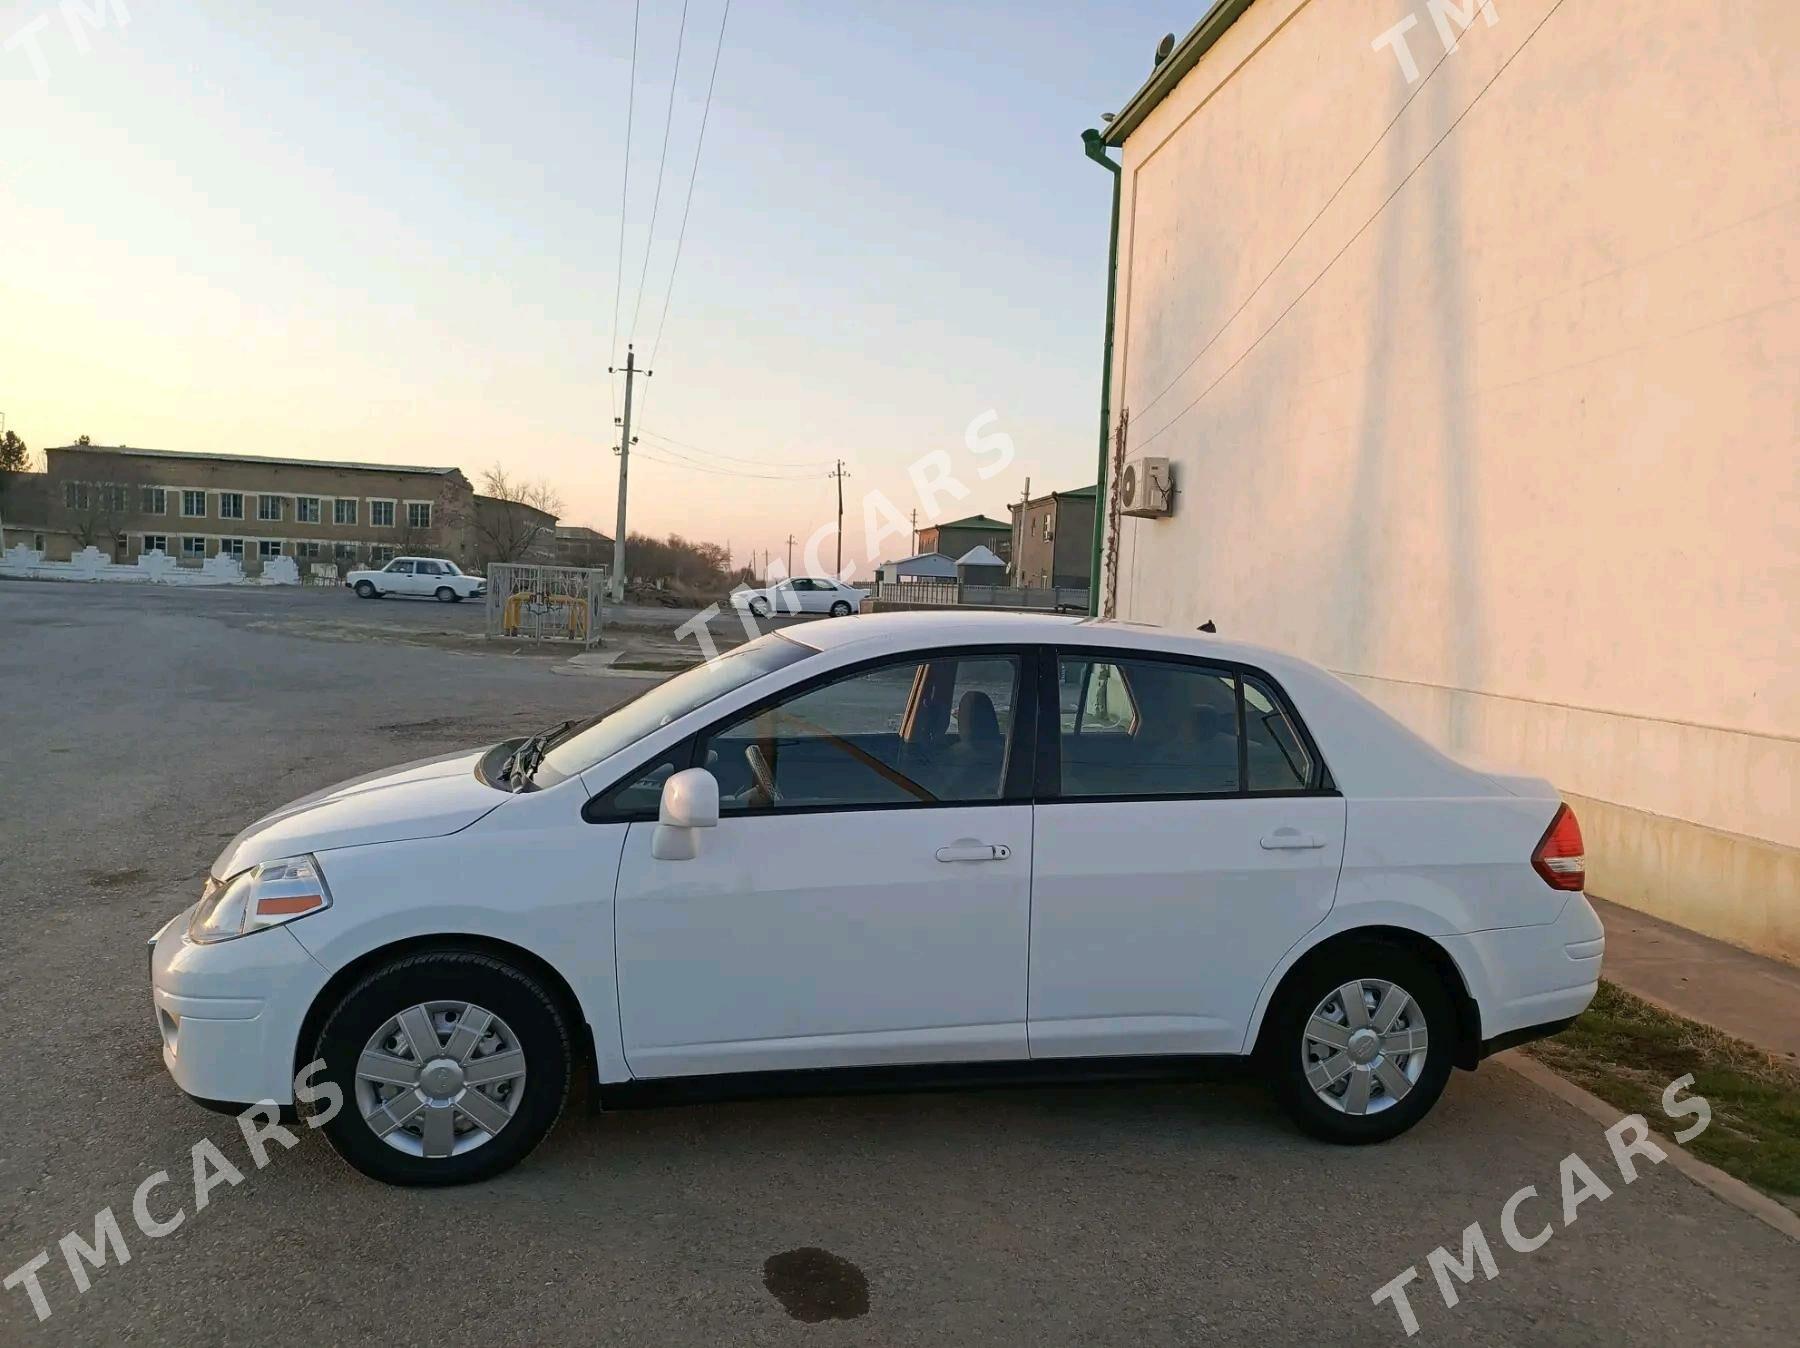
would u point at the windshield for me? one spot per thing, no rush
(666, 702)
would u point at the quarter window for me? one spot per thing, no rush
(909, 733)
(1275, 754)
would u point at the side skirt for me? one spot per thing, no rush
(658, 1092)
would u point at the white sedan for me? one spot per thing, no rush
(425, 577)
(904, 848)
(801, 594)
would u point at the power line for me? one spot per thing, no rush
(624, 188)
(662, 159)
(693, 176)
(811, 464)
(657, 453)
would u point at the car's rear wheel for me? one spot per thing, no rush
(365, 589)
(445, 595)
(453, 1066)
(840, 609)
(1360, 1042)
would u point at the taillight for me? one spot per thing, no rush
(1560, 858)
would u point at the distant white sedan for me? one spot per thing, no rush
(425, 577)
(801, 594)
(899, 849)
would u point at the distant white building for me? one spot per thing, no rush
(1477, 374)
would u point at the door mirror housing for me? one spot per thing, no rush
(690, 801)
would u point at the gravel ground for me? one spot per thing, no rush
(141, 728)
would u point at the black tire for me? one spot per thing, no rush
(446, 595)
(518, 998)
(1283, 1042)
(840, 609)
(759, 607)
(365, 589)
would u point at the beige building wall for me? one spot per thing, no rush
(1484, 392)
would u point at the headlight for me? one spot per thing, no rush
(263, 896)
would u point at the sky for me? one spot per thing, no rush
(389, 231)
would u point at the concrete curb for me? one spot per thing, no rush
(1709, 1177)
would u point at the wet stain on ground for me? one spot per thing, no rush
(814, 1285)
(114, 879)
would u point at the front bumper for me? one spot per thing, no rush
(228, 1014)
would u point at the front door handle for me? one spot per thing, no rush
(969, 849)
(1290, 839)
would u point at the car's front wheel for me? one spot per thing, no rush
(365, 589)
(1360, 1042)
(760, 607)
(445, 595)
(453, 1066)
(840, 609)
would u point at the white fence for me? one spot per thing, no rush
(152, 568)
(950, 594)
(544, 603)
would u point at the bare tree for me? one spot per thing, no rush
(96, 511)
(509, 515)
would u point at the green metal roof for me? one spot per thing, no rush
(972, 522)
(1166, 76)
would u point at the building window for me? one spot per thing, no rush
(380, 552)
(155, 501)
(343, 510)
(37, 542)
(381, 514)
(75, 495)
(344, 552)
(232, 547)
(268, 547)
(307, 552)
(155, 543)
(193, 547)
(306, 509)
(231, 506)
(268, 507)
(418, 514)
(193, 504)
(114, 498)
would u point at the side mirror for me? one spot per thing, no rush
(690, 801)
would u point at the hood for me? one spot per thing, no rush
(423, 799)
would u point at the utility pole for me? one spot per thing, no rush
(791, 554)
(840, 475)
(1018, 541)
(624, 453)
(914, 518)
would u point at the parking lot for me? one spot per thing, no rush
(142, 728)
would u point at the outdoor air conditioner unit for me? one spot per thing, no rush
(1146, 487)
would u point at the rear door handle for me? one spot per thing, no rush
(1290, 839)
(968, 849)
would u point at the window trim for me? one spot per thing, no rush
(187, 514)
(1019, 770)
(1049, 767)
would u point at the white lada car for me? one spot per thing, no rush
(894, 849)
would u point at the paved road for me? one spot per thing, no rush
(138, 730)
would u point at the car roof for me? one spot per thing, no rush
(924, 627)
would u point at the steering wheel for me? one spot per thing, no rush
(759, 770)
